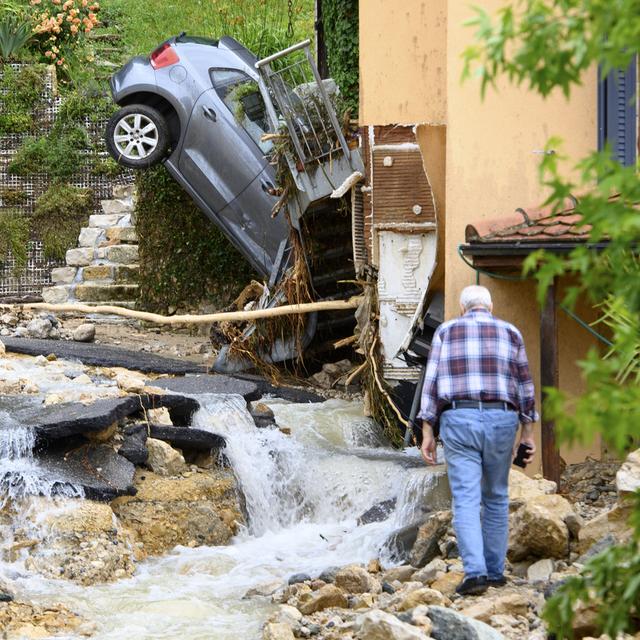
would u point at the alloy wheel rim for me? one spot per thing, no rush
(135, 136)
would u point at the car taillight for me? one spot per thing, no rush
(164, 56)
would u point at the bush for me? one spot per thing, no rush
(184, 258)
(59, 214)
(14, 238)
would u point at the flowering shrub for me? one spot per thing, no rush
(58, 25)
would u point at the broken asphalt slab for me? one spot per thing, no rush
(99, 470)
(101, 355)
(205, 384)
(187, 437)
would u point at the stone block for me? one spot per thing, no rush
(98, 272)
(122, 235)
(56, 295)
(126, 273)
(89, 236)
(105, 221)
(63, 275)
(105, 293)
(123, 254)
(118, 206)
(81, 257)
(123, 191)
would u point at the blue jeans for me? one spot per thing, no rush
(478, 446)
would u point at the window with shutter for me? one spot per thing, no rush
(617, 113)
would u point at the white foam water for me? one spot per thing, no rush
(20, 475)
(303, 494)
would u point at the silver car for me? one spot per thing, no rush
(210, 110)
(180, 105)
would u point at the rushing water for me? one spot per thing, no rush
(303, 493)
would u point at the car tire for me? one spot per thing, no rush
(137, 136)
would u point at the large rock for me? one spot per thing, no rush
(426, 546)
(613, 522)
(514, 604)
(98, 469)
(417, 597)
(628, 476)
(134, 445)
(539, 528)
(356, 579)
(451, 625)
(378, 625)
(40, 327)
(541, 571)
(200, 509)
(25, 620)
(163, 459)
(523, 488)
(323, 598)
(430, 572)
(85, 333)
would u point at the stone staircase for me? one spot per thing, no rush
(104, 268)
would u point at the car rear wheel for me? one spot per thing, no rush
(137, 136)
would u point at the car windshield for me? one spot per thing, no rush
(242, 96)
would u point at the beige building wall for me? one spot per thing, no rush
(411, 67)
(403, 61)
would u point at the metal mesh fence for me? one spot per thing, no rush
(20, 193)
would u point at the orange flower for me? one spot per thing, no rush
(74, 28)
(59, 62)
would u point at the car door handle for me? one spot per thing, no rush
(210, 113)
(267, 186)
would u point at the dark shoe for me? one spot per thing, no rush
(496, 582)
(472, 586)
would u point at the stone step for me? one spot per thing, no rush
(120, 274)
(63, 275)
(122, 253)
(104, 221)
(124, 191)
(117, 206)
(103, 292)
(122, 235)
(58, 294)
(90, 236)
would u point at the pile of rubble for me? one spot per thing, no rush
(42, 326)
(548, 542)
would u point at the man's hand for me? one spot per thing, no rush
(428, 448)
(525, 438)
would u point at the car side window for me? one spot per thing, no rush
(242, 96)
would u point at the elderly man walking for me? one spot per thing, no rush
(478, 386)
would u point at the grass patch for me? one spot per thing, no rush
(14, 238)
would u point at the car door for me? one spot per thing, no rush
(226, 161)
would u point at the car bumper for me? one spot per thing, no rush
(135, 76)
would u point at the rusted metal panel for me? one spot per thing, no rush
(401, 190)
(394, 134)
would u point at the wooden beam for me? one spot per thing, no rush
(549, 378)
(224, 316)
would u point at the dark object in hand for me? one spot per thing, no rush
(523, 452)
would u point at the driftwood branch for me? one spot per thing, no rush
(226, 316)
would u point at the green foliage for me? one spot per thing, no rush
(549, 45)
(612, 580)
(184, 258)
(20, 96)
(59, 154)
(14, 35)
(340, 20)
(14, 237)
(261, 25)
(11, 197)
(58, 217)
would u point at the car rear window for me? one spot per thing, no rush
(197, 40)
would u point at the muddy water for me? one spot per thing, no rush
(303, 494)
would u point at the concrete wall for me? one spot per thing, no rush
(410, 73)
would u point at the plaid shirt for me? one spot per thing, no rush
(477, 357)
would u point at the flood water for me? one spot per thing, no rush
(303, 493)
